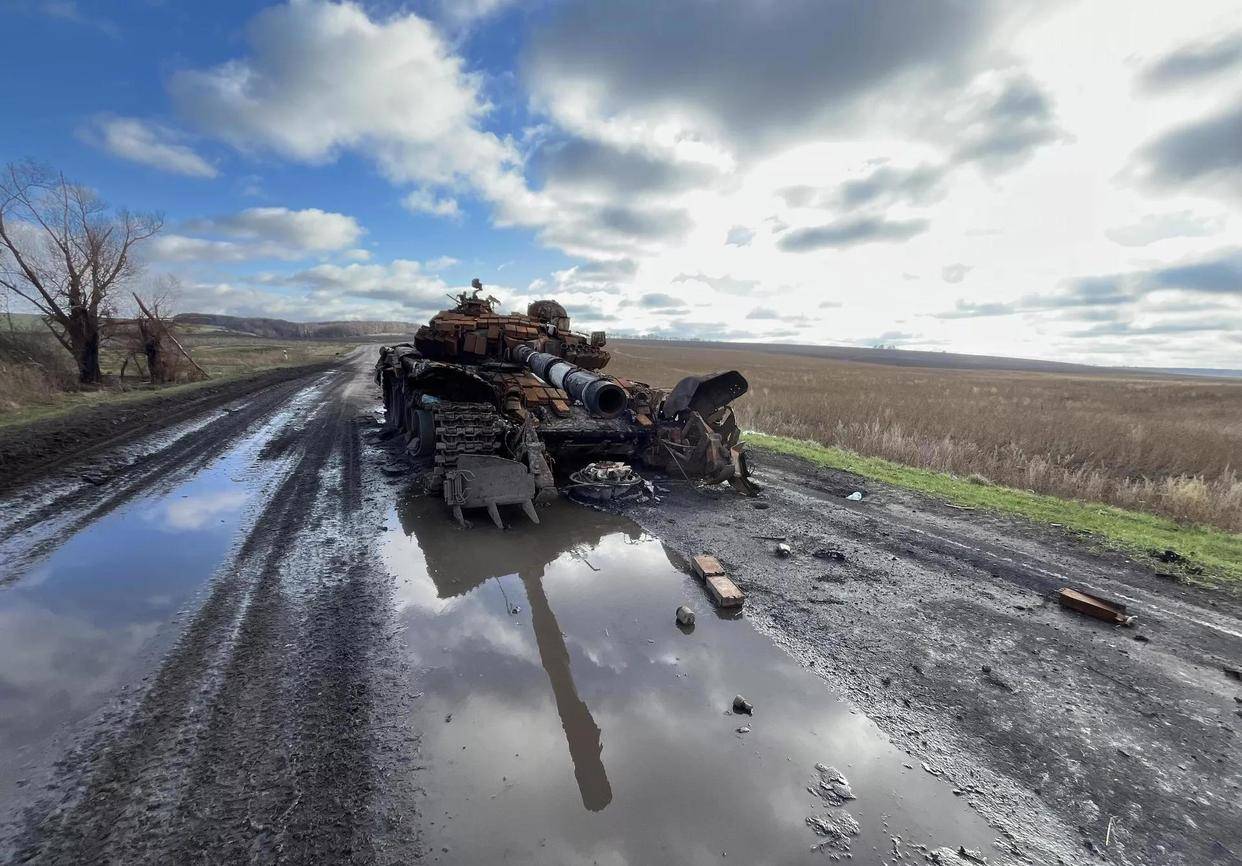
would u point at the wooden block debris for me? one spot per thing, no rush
(724, 592)
(705, 565)
(1093, 605)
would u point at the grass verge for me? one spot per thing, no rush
(1215, 553)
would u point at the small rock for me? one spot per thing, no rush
(784, 551)
(1142, 638)
(744, 729)
(762, 506)
(856, 496)
(741, 705)
(685, 616)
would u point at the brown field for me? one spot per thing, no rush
(1163, 444)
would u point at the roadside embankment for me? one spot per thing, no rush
(1198, 553)
(27, 448)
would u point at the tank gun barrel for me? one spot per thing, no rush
(599, 394)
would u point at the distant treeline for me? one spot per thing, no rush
(281, 329)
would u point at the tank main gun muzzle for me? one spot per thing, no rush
(599, 394)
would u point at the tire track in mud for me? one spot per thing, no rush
(257, 738)
(29, 450)
(178, 459)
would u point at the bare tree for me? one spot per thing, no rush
(61, 250)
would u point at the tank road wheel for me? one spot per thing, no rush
(422, 434)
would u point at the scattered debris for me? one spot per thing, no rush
(784, 551)
(605, 481)
(837, 828)
(949, 857)
(830, 553)
(830, 785)
(705, 565)
(1093, 605)
(724, 592)
(741, 705)
(685, 615)
(995, 679)
(856, 496)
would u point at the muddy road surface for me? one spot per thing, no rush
(237, 634)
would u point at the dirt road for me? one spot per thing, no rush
(235, 635)
(942, 625)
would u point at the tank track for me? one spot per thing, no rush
(463, 428)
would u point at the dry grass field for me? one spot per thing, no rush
(37, 376)
(1170, 446)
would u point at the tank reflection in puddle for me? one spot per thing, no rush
(658, 770)
(457, 565)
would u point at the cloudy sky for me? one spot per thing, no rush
(1054, 179)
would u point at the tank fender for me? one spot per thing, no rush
(704, 394)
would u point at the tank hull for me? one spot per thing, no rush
(497, 408)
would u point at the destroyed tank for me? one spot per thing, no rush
(500, 408)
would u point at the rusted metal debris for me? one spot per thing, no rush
(605, 481)
(1094, 605)
(522, 388)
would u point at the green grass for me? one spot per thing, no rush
(1218, 554)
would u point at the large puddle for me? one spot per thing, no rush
(565, 716)
(78, 625)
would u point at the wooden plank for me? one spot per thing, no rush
(724, 592)
(1093, 605)
(705, 565)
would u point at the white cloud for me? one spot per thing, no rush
(425, 201)
(258, 233)
(148, 144)
(319, 79)
(308, 230)
(180, 248)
